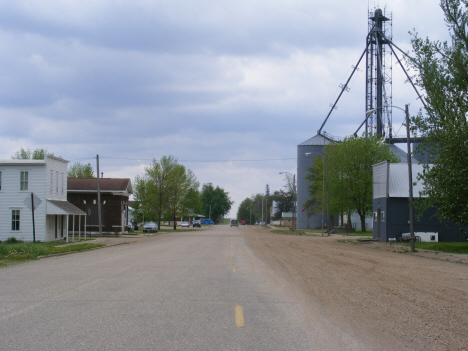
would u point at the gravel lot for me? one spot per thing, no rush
(394, 300)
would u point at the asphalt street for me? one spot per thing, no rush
(200, 290)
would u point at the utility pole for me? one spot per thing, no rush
(294, 202)
(323, 186)
(99, 197)
(267, 193)
(410, 178)
(328, 199)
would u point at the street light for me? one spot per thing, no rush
(294, 197)
(410, 169)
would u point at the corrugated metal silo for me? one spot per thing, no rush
(314, 146)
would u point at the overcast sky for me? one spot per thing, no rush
(230, 88)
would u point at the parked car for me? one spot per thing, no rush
(150, 227)
(208, 221)
(196, 223)
(234, 223)
(131, 227)
(185, 224)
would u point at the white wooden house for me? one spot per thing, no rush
(47, 180)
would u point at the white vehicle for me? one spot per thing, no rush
(150, 227)
(185, 224)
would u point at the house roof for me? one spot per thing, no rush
(402, 155)
(63, 207)
(23, 162)
(107, 185)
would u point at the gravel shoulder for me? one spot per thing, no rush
(379, 293)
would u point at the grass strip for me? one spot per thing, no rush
(457, 248)
(12, 253)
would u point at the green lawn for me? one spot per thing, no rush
(458, 248)
(12, 253)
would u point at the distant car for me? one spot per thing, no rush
(208, 221)
(196, 223)
(131, 227)
(150, 227)
(185, 224)
(234, 223)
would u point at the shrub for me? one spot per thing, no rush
(13, 240)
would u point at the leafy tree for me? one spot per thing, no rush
(191, 204)
(218, 199)
(163, 188)
(349, 165)
(443, 74)
(284, 202)
(26, 154)
(246, 210)
(181, 180)
(79, 170)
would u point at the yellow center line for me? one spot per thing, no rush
(234, 269)
(232, 253)
(239, 316)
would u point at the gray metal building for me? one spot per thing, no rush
(314, 146)
(391, 205)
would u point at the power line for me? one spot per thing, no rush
(187, 161)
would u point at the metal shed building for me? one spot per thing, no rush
(391, 205)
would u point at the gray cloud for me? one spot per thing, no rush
(231, 81)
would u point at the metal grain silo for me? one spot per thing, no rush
(314, 148)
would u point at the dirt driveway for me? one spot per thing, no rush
(398, 301)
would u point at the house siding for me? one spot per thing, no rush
(11, 197)
(111, 212)
(56, 175)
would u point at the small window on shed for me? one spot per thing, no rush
(382, 214)
(375, 216)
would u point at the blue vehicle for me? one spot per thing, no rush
(208, 221)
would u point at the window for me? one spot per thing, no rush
(51, 180)
(383, 216)
(56, 181)
(63, 177)
(24, 180)
(15, 220)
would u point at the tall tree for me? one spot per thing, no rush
(156, 189)
(284, 202)
(443, 74)
(181, 180)
(246, 210)
(349, 164)
(26, 154)
(79, 170)
(216, 202)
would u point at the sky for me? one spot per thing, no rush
(229, 88)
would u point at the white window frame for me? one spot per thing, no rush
(56, 181)
(63, 180)
(51, 181)
(24, 180)
(15, 222)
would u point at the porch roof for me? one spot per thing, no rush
(57, 207)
